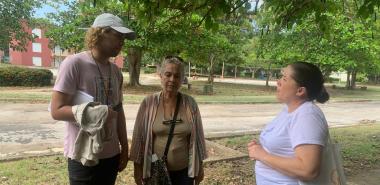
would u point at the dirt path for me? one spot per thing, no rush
(366, 177)
(26, 127)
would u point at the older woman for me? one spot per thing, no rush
(290, 146)
(187, 149)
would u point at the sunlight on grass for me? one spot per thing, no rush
(222, 93)
(360, 149)
(360, 145)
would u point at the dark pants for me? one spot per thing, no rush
(181, 177)
(102, 174)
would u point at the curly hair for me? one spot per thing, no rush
(94, 35)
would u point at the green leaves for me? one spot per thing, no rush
(20, 76)
(367, 8)
(208, 22)
(15, 17)
(328, 33)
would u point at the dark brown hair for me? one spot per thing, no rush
(310, 76)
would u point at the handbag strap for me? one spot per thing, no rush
(329, 141)
(172, 125)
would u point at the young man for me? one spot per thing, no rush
(90, 72)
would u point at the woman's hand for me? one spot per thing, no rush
(256, 151)
(199, 178)
(123, 158)
(138, 174)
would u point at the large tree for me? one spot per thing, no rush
(287, 12)
(335, 35)
(15, 18)
(156, 22)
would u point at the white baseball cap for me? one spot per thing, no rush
(113, 21)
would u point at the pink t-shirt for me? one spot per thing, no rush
(80, 72)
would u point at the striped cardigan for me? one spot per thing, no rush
(142, 140)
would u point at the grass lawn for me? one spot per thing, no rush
(360, 149)
(360, 145)
(223, 93)
(341, 94)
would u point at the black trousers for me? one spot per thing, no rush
(181, 177)
(104, 173)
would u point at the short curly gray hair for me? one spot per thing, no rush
(174, 60)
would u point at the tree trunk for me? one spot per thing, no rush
(348, 81)
(353, 79)
(158, 67)
(223, 71)
(235, 70)
(268, 74)
(211, 71)
(326, 74)
(134, 62)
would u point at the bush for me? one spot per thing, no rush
(125, 69)
(361, 78)
(21, 76)
(332, 80)
(150, 70)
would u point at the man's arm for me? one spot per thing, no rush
(122, 129)
(61, 106)
(123, 139)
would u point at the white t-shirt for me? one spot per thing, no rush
(306, 125)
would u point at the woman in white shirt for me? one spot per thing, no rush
(290, 146)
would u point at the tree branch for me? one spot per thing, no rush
(204, 17)
(299, 7)
(185, 10)
(238, 6)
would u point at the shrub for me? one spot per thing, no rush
(21, 76)
(360, 77)
(332, 80)
(150, 70)
(125, 69)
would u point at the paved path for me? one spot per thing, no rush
(29, 127)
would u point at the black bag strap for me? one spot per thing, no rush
(172, 125)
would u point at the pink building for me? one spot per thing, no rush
(59, 55)
(37, 52)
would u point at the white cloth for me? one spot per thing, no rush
(91, 118)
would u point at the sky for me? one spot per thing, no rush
(41, 12)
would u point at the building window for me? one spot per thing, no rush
(36, 47)
(57, 50)
(37, 33)
(37, 61)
